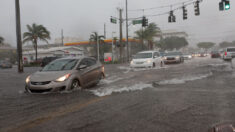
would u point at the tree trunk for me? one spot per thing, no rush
(36, 50)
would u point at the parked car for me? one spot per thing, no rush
(66, 74)
(47, 60)
(229, 53)
(173, 57)
(187, 56)
(5, 64)
(215, 54)
(147, 59)
(202, 54)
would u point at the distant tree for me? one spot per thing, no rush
(171, 43)
(148, 34)
(35, 33)
(94, 37)
(1, 40)
(205, 45)
(226, 44)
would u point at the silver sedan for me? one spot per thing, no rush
(65, 74)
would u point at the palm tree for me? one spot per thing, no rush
(35, 33)
(94, 37)
(1, 40)
(148, 34)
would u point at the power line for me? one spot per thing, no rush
(166, 13)
(160, 7)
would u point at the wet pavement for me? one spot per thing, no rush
(193, 96)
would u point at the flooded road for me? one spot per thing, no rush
(192, 96)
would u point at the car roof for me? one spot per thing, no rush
(148, 51)
(80, 57)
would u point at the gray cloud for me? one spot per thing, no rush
(78, 18)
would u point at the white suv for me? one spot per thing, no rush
(229, 53)
(147, 59)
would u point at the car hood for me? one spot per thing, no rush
(141, 60)
(47, 75)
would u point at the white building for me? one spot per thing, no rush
(62, 51)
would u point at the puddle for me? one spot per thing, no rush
(182, 80)
(109, 90)
(128, 69)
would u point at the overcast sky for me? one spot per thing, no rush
(78, 18)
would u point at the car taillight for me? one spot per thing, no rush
(225, 53)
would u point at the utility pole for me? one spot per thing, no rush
(62, 37)
(98, 48)
(104, 31)
(18, 36)
(127, 41)
(120, 41)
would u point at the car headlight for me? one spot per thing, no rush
(148, 61)
(63, 78)
(177, 57)
(27, 79)
(165, 58)
(132, 62)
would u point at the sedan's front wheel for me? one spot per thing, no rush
(74, 84)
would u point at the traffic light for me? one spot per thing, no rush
(221, 6)
(144, 22)
(196, 8)
(227, 4)
(169, 19)
(113, 20)
(185, 14)
(224, 5)
(172, 17)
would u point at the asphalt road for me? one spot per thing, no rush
(189, 97)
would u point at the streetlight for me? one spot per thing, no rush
(112, 45)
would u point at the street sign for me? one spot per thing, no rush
(136, 22)
(113, 20)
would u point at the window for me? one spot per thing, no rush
(156, 54)
(61, 65)
(91, 62)
(84, 62)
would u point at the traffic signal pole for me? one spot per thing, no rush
(18, 37)
(127, 41)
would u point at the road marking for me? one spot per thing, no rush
(49, 116)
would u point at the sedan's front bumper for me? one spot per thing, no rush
(39, 87)
(172, 61)
(144, 65)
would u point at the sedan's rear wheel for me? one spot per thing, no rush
(101, 76)
(74, 84)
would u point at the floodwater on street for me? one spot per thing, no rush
(193, 96)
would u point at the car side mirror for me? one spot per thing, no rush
(82, 67)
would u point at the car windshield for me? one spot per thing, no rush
(173, 53)
(214, 52)
(162, 54)
(61, 65)
(143, 55)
